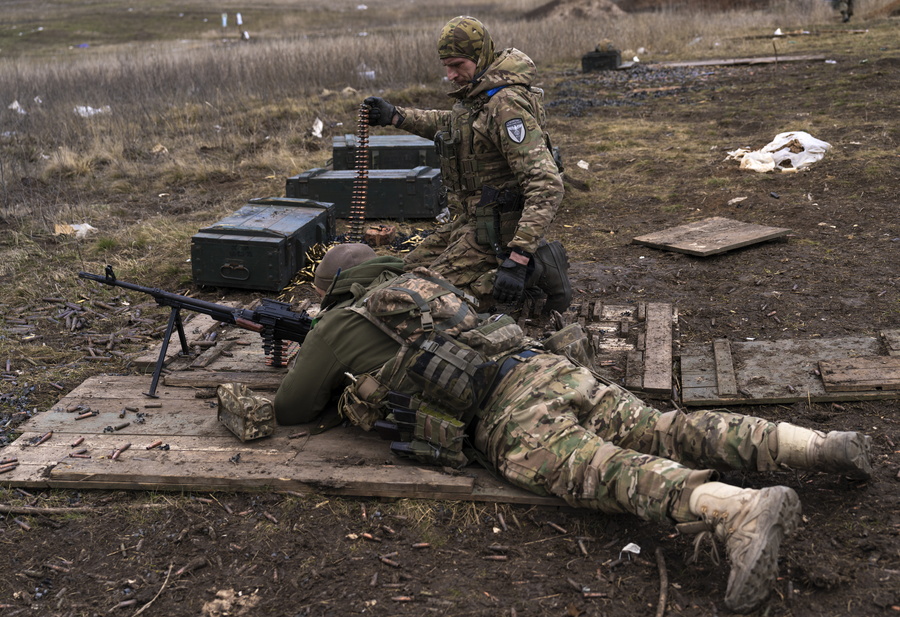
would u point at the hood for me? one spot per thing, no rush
(352, 283)
(510, 67)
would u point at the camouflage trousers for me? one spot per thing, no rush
(552, 428)
(453, 252)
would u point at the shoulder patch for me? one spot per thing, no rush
(515, 128)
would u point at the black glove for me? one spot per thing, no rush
(380, 111)
(509, 286)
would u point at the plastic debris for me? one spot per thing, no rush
(630, 548)
(788, 152)
(86, 111)
(79, 230)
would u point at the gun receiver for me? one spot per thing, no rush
(273, 320)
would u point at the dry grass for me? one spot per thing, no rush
(185, 104)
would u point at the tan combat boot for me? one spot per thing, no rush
(844, 452)
(752, 524)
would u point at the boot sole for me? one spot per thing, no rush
(779, 517)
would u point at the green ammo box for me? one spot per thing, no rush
(601, 61)
(386, 152)
(392, 193)
(262, 245)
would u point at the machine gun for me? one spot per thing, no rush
(273, 320)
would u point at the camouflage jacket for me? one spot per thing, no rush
(494, 136)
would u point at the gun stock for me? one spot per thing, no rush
(273, 320)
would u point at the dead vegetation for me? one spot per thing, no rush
(653, 142)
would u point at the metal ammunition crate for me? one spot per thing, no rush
(262, 245)
(601, 61)
(392, 193)
(386, 152)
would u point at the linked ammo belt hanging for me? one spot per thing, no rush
(356, 222)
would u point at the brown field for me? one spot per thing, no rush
(199, 122)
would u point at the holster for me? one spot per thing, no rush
(497, 216)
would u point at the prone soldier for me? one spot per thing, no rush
(537, 415)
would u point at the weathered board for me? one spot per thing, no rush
(710, 236)
(861, 373)
(765, 372)
(632, 343)
(892, 341)
(736, 61)
(201, 454)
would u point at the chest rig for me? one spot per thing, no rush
(463, 170)
(424, 398)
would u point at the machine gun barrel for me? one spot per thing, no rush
(273, 320)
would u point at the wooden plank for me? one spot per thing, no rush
(892, 340)
(861, 373)
(634, 370)
(255, 380)
(210, 355)
(200, 453)
(726, 384)
(710, 236)
(698, 377)
(738, 61)
(771, 372)
(196, 326)
(658, 349)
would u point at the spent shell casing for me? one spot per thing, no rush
(115, 455)
(44, 438)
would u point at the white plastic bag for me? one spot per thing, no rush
(791, 151)
(798, 148)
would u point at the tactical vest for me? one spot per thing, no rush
(462, 171)
(424, 398)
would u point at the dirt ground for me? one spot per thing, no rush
(835, 275)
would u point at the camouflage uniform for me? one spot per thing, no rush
(548, 426)
(492, 136)
(552, 428)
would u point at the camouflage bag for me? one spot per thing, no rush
(245, 413)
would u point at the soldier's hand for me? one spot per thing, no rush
(380, 111)
(509, 286)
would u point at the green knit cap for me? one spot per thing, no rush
(466, 37)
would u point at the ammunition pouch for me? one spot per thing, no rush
(361, 402)
(246, 414)
(497, 217)
(573, 343)
(496, 337)
(450, 373)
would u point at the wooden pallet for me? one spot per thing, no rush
(765, 372)
(201, 454)
(632, 343)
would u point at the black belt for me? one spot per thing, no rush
(509, 364)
